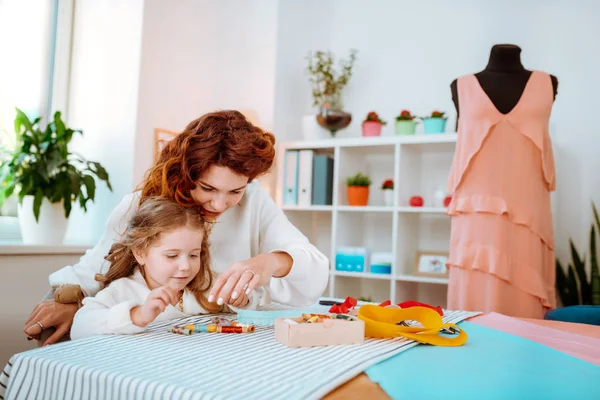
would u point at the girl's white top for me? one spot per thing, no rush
(255, 226)
(108, 313)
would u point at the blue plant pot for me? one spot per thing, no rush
(434, 125)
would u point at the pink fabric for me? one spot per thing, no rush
(500, 181)
(512, 262)
(584, 347)
(579, 329)
(489, 292)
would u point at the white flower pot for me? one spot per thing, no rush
(52, 224)
(388, 197)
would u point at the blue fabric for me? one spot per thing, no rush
(491, 365)
(578, 314)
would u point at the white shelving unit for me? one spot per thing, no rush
(419, 165)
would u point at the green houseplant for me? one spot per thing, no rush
(574, 287)
(328, 83)
(358, 189)
(42, 170)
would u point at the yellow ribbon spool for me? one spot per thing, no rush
(381, 322)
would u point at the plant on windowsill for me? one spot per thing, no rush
(358, 189)
(574, 288)
(47, 177)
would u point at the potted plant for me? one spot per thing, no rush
(358, 189)
(372, 124)
(47, 177)
(405, 123)
(574, 285)
(435, 123)
(388, 192)
(328, 84)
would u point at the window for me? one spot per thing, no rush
(35, 41)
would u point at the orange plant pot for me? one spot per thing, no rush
(358, 195)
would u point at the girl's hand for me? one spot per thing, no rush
(245, 276)
(156, 302)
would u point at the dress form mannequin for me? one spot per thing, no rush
(501, 256)
(503, 79)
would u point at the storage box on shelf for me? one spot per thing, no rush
(419, 166)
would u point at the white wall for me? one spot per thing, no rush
(199, 56)
(303, 27)
(410, 51)
(103, 101)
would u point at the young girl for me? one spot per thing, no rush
(160, 270)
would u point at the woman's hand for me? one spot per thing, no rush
(47, 314)
(241, 301)
(245, 276)
(156, 302)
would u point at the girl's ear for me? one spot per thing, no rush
(140, 256)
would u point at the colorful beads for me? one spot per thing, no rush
(232, 327)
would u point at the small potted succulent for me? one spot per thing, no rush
(435, 123)
(388, 192)
(358, 189)
(371, 126)
(405, 123)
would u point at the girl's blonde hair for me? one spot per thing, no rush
(158, 215)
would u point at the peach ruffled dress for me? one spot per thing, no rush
(502, 240)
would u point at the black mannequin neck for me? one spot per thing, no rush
(505, 58)
(504, 78)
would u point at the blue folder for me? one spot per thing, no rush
(491, 365)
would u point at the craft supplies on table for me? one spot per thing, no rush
(218, 325)
(385, 322)
(189, 329)
(312, 330)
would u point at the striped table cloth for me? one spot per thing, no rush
(162, 365)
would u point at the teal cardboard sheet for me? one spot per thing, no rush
(491, 365)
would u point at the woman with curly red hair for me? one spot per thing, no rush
(211, 166)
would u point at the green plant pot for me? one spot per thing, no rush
(404, 127)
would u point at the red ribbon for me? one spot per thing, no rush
(386, 303)
(345, 307)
